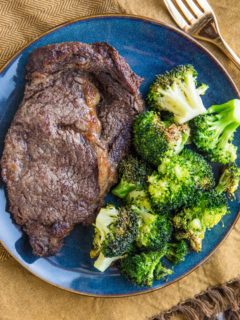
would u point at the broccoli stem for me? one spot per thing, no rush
(123, 188)
(218, 123)
(177, 103)
(196, 243)
(193, 96)
(154, 266)
(224, 121)
(221, 187)
(102, 262)
(161, 272)
(227, 134)
(232, 105)
(227, 113)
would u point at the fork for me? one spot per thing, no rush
(197, 18)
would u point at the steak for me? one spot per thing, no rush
(67, 138)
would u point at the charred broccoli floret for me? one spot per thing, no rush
(140, 199)
(133, 174)
(155, 139)
(177, 251)
(115, 233)
(142, 269)
(154, 230)
(205, 211)
(177, 179)
(177, 91)
(213, 132)
(229, 180)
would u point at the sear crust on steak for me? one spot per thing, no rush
(67, 138)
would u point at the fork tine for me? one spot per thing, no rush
(204, 5)
(185, 11)
(181, 22)
(194, 8)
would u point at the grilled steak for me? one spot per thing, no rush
(67, 138)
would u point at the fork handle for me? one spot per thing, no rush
(222, 44)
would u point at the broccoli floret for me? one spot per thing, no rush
(154, 230)
(133, 173)
(177, 251)
(198, 168)
(176, 91)
(229, 180)
(213, 132)
(115, 233)
(204, 213)
(154, 139)
(142, 269)
(140, 199)
(177, 179)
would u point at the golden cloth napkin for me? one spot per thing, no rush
(25, 297)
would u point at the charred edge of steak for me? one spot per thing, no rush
(50, 59)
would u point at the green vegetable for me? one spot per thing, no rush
(115, 233)
(154, 228)
(154, 231)
(213, 132)
(155, 139)
(133, 173)
(103, 263)
(169, 210)
(140, 199)
(177, 251)
(229, 180)
(205, 211)
(142, 269)
(178, 178)
(176, 91)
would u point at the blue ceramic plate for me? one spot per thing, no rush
(150, 48)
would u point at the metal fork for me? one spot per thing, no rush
(197, 18)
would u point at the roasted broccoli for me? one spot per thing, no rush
(154, 230)
(155, 139)
(133, 174)
(205, 211)
(115, 233)
(140, 199)
(213, 132)
(229, 180)
(177, 179)
(176, 91)
(142, 269)
(177, 251)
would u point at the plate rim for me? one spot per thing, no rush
(219, 64)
